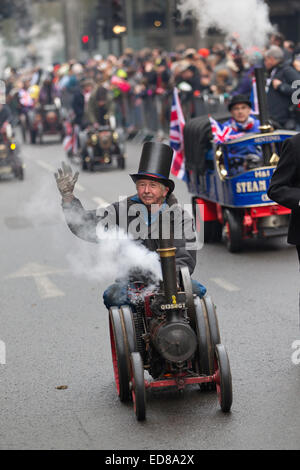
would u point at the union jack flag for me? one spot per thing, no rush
(222, 133)
(177, 124)
(254, 97)
(70, 141)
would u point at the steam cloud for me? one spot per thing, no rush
(113, 257)
(249, 19)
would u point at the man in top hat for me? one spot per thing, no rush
(154, 194)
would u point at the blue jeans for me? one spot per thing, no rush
(117, 294)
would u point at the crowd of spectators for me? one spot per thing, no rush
(139, 84)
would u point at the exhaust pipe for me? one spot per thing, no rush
(265, 127)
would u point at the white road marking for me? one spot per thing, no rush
(225, 284)
(46, 288)
(40, 273)
(46, 166)
(2, 353)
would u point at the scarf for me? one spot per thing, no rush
(242, 127)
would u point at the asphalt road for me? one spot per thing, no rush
(54, 328)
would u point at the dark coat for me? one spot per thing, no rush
(78, 106)
(279, 100)
(285, 185)
(84, 224)
(5, 115)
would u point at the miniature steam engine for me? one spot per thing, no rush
(172, 334)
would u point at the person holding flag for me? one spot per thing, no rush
(241, 122)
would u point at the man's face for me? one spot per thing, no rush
(240, 112)
(270, 62)
(151, 192)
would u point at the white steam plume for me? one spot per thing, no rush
(249, 19)
(113, 257)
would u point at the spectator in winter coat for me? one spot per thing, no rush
(279, 85)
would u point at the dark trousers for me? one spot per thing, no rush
(298, 250)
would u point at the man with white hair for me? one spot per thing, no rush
(279, 85)
(137, 215)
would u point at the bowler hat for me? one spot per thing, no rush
(155, 164)
(238, 99)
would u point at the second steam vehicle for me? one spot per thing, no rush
(103, 148)
(228, 187)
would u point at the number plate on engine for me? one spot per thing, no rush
(172, 306)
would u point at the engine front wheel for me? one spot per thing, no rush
(118, 352)
(138, 389)
(223, 378)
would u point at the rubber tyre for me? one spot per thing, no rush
(20, 174)
(205, 352)
(212, 320)
(138, 386)
(232, 231)
(119, 358)
(90, 163)
(121, 163)
(224, 380)
(128, 331)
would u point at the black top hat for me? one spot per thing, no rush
(155, 164)
(237, 99)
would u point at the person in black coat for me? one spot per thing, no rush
(279, 85)
(285, 186)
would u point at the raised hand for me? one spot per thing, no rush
(66, 181)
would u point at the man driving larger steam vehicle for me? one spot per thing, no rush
(154, 195)
(241, 123)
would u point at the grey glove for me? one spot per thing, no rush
(66, 181)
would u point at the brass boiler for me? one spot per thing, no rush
(170, 332)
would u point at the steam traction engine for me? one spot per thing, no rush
(172, 334)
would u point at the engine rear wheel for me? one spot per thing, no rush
(128, 331)
(204, 351)
(119, 357)
(212, 320)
